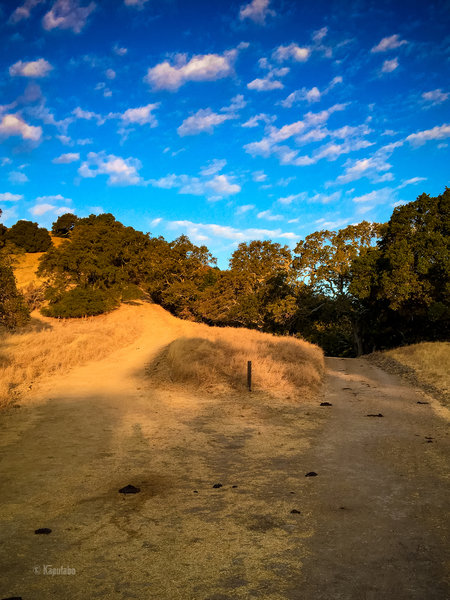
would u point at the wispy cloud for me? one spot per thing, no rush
(210, 184)
(257, 11)
(435, 96)
(389, 43)
(269, 216)
(8, 197)
(291, 52)
(203, 120)
(389, 65)
(67, 158)
(67, 14)
(310, 95)
(23, 11)
(436, 133)
(230, 233)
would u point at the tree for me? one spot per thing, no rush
(13, 309)
(63, 226)
(404, 283)
(323, 261)
(29, 236)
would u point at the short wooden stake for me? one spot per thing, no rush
(249, 375)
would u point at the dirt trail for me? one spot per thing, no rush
(371, 525)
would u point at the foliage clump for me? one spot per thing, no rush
(29, 236)
(82, 302)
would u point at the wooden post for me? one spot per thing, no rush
(249, 375)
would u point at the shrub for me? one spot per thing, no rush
(82, 302)
(13, 309)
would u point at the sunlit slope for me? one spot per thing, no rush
(175, 351)
(26, 265)
(426, 364)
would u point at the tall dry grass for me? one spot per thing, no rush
(426, 364)
(51, 346)
(215, 359)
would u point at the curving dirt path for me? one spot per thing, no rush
(371, 525)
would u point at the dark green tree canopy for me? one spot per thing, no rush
(29, 236)
(64, 225)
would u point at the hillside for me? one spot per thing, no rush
(425, 364)
(51, 347)
(25, 266)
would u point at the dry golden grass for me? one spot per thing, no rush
(426, 364)
(25, 267)
(215, 359)
(51, 346)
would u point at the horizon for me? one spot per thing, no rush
(226, 122)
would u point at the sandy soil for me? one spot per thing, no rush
(370, 525)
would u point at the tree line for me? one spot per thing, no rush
(367, 286)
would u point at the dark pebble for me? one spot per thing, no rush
(44, 530)
(295, 512)
(429, 441)
(326, 404)
(13, 598)
(311, 474)
(195, 492)
(234, 486)
(378, 415)
(217, 485)
(129, 489)
(419, 402)
(346, 388)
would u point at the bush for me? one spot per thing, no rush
(82, 302)
(29, 236)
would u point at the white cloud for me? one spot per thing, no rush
(8, 197)
(389, 65)
(267, 214)
(389, 43)
(110, 73)
(364, 167)
(67, 14)
(62, 210)
(257, 11)
(309, 95)
(436, 133)
(12, 125)
(119, 50)
(24, 11)
(155, 222)
(120, 171)
(259, 176)
(79, 113)
(292, 198)
(230, 233)
(264, 85)
(40, 209)
(34, 68)
(222, 186)
(141, 115)
(65, 159)
(254, 121)
(137, 3)
(292, 51)
(54, 198)
(411, 181)
(241, 210)
(213, 188)
(202, 67)
(374, 197)
(203, 120)
(17, 177)
(213, 167)
(435, 96)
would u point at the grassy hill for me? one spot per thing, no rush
(179, 352)
(26, 265)
(425, 364)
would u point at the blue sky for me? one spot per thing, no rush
(227, 121)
